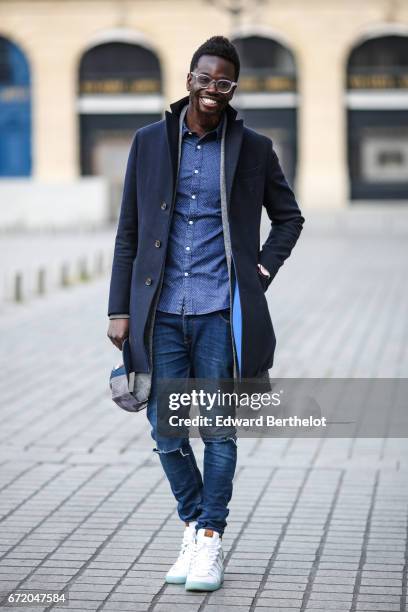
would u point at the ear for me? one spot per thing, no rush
(231, 93)
(188, 82)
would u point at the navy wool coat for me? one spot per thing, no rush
(252, 178)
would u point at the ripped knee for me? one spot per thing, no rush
(180, 450)
(224, 439)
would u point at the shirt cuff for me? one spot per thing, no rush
(267, 275)
(119, 316)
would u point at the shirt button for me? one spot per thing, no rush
(193, 197)
(185, 273)
(190, 134)
(195, 171)
(198, 146)
(148, 281)
(187, 248)
(190, 222)
(157, 243)
(163, 205)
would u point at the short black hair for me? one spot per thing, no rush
(220, 46)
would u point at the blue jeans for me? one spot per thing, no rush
(195, 346)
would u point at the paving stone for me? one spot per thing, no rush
(379, 598)
(223, 598)
(137, 597)
(332, 588)
(176, 607)
(273, 603)
(279, 587)
(124, 606)
(378, 607)
(278, 609)
(224, 608)
(381, 590)
(338, 606)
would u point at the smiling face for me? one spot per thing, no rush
(208, 104)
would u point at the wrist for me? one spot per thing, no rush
(263, 270)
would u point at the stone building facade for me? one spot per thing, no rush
(328, 81)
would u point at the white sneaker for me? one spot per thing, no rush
(206, 571)
(177, 574)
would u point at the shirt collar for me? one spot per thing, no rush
(218, 129)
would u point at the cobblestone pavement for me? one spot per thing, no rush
(314, 524)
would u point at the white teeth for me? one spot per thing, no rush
(209, 101)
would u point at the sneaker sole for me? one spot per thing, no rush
(175, 579)
(202, 586)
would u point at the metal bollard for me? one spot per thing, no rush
(18, 287)
(64, 275)
(41, 281)
(99, 263)
(83, 270)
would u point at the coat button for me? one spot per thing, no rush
(148, 281)
(163, 205)
(157, 243)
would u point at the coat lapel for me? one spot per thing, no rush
(233, 143)
(172, 129)
(172, 132)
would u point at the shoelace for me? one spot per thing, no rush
(204, 562)
(184, 545)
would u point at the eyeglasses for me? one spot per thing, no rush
(223, 86)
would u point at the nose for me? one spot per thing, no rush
(211, 87)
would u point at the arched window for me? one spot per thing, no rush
(15, 111)
(119, 68)
(377, 117)
(119, 91)
(266, 95)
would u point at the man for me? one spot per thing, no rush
(188, 279)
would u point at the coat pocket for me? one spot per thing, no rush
(264, 280)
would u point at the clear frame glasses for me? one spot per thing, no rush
(223, 86)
